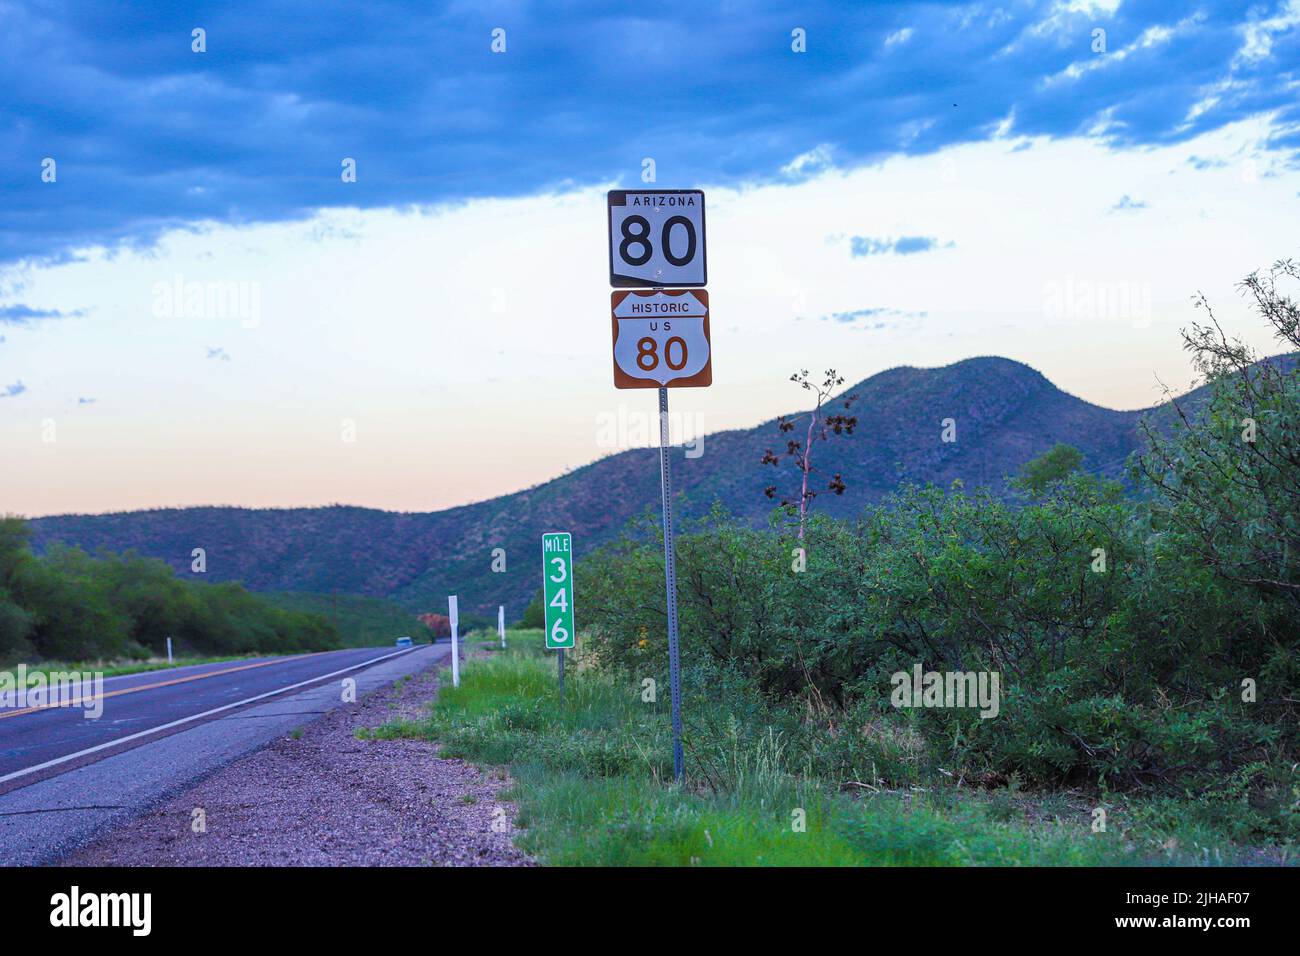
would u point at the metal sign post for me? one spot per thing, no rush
(559, 668)
(661, 340)
(670, 583)
(501, 624)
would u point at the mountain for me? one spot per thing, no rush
(1005, 413)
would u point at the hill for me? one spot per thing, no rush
(1005, 413)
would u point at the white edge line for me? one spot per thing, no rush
(185, 720)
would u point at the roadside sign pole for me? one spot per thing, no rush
(670, 584)
(169, 650)
(501, 624)
(455, 639)
(660, 323)
(560, 669)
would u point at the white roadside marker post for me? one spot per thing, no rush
(501, 624)
(169, 650)
(454, 614)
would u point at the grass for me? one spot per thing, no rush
(592, 782)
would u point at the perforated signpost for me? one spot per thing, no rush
(661, 340)
(557, 595)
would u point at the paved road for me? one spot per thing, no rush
(138, 703)
(65, 777)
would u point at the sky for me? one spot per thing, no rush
(199, 304)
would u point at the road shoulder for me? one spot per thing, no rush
(317, 795)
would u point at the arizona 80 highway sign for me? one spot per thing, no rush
(656, 238)
(661, 338)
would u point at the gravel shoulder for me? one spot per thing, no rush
(321, 797)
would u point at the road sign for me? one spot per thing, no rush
(557, 588)
(656, 238)
(661, 338)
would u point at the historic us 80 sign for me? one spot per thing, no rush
(661, 338)
(656, 238)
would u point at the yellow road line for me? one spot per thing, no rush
(164, 683)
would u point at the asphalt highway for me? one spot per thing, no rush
(64, 775)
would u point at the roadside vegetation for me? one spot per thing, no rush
(361, 621)
(1148, 649)
(69, 606)
(592, 777)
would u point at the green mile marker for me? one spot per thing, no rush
(557, 595)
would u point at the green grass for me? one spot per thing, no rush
(592, 781)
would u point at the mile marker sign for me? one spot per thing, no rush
(656, 238)
(557, 589)
(661, 338)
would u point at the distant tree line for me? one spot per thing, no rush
(68, 605)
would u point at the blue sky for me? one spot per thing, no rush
(149, 134)
(1046, 181)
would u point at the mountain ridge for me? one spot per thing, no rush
(1005, 414)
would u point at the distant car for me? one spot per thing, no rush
(403, 642)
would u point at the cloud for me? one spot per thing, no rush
(9, 391)
(904, 245)
(816, 160)
(1126, 203)
(1258, 33)
(148, 136)
(22, 314)
(879, 312)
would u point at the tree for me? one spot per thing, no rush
(820, 427)
(535, 614)
(1049, 467)
(439, 624)
(1229, 470)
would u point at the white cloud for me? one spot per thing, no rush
(1150, 38)
(818, 159)
(1257, 35)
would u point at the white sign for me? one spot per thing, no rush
(661, 338)
(453, 612)
(656, 237)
